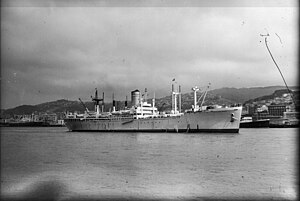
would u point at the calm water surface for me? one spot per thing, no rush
(55, 163)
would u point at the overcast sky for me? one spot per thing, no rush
(55, 52)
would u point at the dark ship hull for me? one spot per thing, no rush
(265, 123)
(27, 124)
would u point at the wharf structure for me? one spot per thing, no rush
(34, 120)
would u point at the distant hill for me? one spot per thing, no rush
(223, 96)
(23, 109)
(242, 95)
(54, 106)
(275, 94)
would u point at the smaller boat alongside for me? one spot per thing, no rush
(287, 121)
(248, 122)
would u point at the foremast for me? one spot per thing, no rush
(96, 101)
(176, 94)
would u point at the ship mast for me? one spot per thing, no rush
(145, 95)
(97, 100)
(153, 103)
(195, 89)
(102, 109)
(179, 91)
(174, 98)
(141, 102)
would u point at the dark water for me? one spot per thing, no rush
(56, 164)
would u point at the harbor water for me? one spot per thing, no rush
(55, 164)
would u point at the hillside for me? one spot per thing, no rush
(54, 106)
(275, 95)
(244, 94)
(223, 96)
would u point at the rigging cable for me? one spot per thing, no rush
(278, 69)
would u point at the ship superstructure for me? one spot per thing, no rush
(145, 117)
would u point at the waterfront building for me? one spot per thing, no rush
(276, 110)
(49, 118)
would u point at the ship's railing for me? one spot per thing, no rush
(157, 116)
(212, 108)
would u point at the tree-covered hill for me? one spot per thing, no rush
(223, 96)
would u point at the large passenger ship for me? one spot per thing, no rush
(145, 117)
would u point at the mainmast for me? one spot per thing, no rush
(145, 96)
(174, 95)
(179, 91)
(195, 89)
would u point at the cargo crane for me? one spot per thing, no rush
(203, 95)
(86, 109)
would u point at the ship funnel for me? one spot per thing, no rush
(113, 99)
(126, 103)
(145, 96)
(113, 102)
(96, 93)
(135, 97)
(102, 107)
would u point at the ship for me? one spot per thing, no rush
(145, 117)
(248, 122)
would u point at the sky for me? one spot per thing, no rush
(64, 51)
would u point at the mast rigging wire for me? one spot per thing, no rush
(278, 68)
